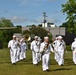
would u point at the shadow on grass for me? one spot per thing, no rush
(4, 62)
(61, 69)
(68, 62)
(25, 62)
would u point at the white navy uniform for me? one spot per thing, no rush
(18, 51)
(73, 47)
(45, 56)
(13, 50)
(35, 47)
(55, 50)
(23, 47)
(60, 50)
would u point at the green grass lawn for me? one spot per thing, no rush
(25, 67)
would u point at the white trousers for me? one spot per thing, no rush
(45, 62)
(35, 57)
(39, 57)
(74, 57)
(60, 58)
(18, 54)
(56, 56)
(22, 55)
(13, 55)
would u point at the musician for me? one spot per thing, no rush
(24, 48)
(12, 45)
(35, 47)
(61, 47)
(45, 49)
(54, 44)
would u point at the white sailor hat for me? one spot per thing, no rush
(14, 36)
(60, 37)
(46, 37)
(35, 37)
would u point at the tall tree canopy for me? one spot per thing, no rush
(38, 31)
(5, 35)
(5, 23)
(70, 9)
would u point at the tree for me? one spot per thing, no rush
(18, 29)
(38, 31)
(68, 27)
(40, 25)
(50, 37)
(26, 32)
(70, 9)
(5, 35)
(6, 23)
(31, 25)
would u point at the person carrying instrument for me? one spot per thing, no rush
(45, 49)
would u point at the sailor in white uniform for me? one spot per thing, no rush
(73, 47)
(12, 45)
(39, 54)
(61, 47)
(35, 47)
(18, 49)
(23, 47)
(45, 49)
(55, 48)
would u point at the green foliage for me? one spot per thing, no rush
(50, 38)
(26, 32)
(5, 23)
(70, 9)
(18, 29)
(5, 45)
(38, 31)
(6, 35)
(68, 47)
(40, 25)
(31, 25)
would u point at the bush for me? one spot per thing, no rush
(68, 47)
(1, 45)
(5, 45)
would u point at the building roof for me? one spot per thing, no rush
(6, 28)
(19, 35)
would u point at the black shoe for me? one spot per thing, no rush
(62, 65)
(47, 70)
(13, 63)
(35, 64)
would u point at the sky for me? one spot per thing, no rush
(28, 12)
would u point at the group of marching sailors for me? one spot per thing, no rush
(18, 49)
(40, 50)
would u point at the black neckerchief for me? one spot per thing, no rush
(61, 43)
(36, 42)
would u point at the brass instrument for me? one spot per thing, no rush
(27, 37)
